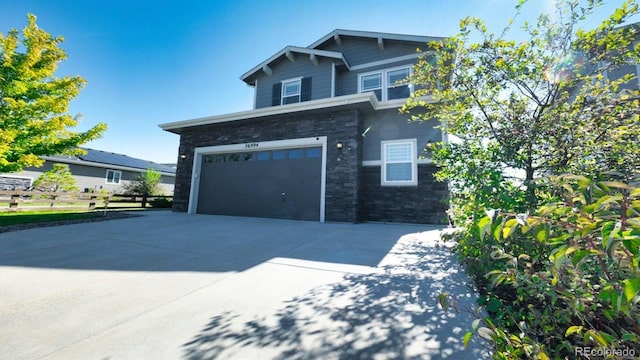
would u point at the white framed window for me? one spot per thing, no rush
(113, 176)
(395, 90)
(385, 83)
(291, 90)
(372, 82)
(399, 165)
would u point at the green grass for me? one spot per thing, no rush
(29, 217)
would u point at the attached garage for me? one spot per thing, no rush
(275, 179)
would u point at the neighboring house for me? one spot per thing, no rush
(324, 141)
(95, 171)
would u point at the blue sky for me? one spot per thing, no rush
(152, 62)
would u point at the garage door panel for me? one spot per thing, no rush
(256, 187)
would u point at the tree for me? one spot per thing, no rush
(34, 103)
(145, 184)
(57, 179)
(521, 109)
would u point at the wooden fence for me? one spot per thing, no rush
(19, 200)
(36, 200)
(126, 200)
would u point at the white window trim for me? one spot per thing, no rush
(106, 178)
(414, 163)
(299, 80)
(385, 85)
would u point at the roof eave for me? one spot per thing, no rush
(294, 49)
(375, 35)
(275, 110)
(100, 165)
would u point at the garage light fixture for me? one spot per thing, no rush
(339, 145)
(183, 157)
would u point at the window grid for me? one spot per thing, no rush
(291, 91)
(384, 83)
(113, 177)
(399, 163)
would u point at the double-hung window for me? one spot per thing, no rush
(291, 91)
(394, 89)
(386, 84)
(113, 176)
(372, 82)
(399, 163)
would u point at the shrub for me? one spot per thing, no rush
(161, 203)
(563, 277)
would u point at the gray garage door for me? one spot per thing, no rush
(281, 184)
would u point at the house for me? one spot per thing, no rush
(324, 140)
(95, 171)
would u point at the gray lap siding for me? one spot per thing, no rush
(342, 171)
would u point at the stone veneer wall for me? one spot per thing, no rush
(342, 200)
(408, 204)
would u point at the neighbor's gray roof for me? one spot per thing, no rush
(109, 158)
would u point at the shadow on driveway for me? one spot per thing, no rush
(388, 314)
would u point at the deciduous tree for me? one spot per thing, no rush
(145, 183)
(34, 119)
(57, 179)
(555, 101)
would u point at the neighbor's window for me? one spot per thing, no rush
(114, 176)
(385, 83)
(291, 91)
(399, 163)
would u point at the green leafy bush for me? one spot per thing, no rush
(563, 277)
(161, 203)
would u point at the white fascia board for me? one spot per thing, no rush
(277, 110)
(295, 49)
(375, 35)
(369, 97)
(100, 165)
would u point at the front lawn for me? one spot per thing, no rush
(30, 217)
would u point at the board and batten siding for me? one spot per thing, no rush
(284, 69)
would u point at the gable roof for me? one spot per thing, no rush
(104, 159)
(288, 51)
(313, 51)
(335, 34)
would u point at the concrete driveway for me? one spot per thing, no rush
(176, 286)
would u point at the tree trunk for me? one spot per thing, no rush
(532, 199)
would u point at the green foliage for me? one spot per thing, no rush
(145, 183)
(33, 102)
(557, 260)
(162, 203)
(564, 276)
(57, 179)
(531, 108)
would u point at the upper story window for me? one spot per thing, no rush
(113, 176)
(384, 83)
(372, 82)
(291, 91)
